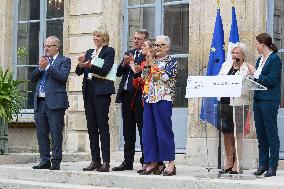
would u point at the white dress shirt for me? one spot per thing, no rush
(260, 66)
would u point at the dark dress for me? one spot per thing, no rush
(226, 111)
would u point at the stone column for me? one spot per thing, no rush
(82, 17)
(6, 26)
(251, 17)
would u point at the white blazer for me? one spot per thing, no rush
(245, 97)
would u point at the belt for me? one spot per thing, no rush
(41, 98)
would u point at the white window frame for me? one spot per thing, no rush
(27, 114)
(159, 24)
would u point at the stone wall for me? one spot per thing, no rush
(251, 21)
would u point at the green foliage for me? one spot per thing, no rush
(22, 52)
(10, 95)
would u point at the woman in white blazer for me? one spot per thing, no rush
(233, 111)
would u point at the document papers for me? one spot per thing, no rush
(100, 62)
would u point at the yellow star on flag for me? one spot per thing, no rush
(213, 49)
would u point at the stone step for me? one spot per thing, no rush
(26, 184)
(187, 177)
(23, 158)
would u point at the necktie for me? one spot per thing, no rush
(43, 78)
(136, 55)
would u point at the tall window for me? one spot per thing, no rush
(167, 17)
(34, 20)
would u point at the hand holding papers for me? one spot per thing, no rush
(99, 62)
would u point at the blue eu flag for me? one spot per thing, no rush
(216, 59)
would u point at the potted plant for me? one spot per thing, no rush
(10, 104)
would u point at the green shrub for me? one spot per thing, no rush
(10, 95)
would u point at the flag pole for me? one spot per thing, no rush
(219, 133)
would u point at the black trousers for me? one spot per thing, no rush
(131, 117)
(96, 110)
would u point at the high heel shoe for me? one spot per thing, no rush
(160, 170)
(236, 172)
(142, 169)
(150, 171)
(224, 171)
(170, 173)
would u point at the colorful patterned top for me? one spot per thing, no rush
(160, 80)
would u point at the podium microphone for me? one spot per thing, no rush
(237, 59)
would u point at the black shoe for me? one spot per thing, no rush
(42, 165)
(271, 172)
(104, 168)
(225, 171)
(123, 166)
(55, 167)
(93, 166)
(260, 170)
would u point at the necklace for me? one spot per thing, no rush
(234, 70)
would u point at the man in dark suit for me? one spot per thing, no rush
(127, 95)
(50, 102)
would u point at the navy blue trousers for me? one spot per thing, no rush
(157, 133)
(49, 121)
(265, 117)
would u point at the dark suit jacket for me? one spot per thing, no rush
(55, 83)
(124, 71)
(270, 77)
(99, 86)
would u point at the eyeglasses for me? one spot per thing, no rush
(159, 45)
(137, 38)
(48, 46)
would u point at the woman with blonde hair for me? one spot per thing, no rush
(97, 91)
(233, 111)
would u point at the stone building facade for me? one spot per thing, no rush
(82, 17)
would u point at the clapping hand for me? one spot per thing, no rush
(43, 62)
(251, 69)
(81, 59)
(127, 59)
(135, 68)
(87, 64)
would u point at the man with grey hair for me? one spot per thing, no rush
(50, 102)
(132, 108)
